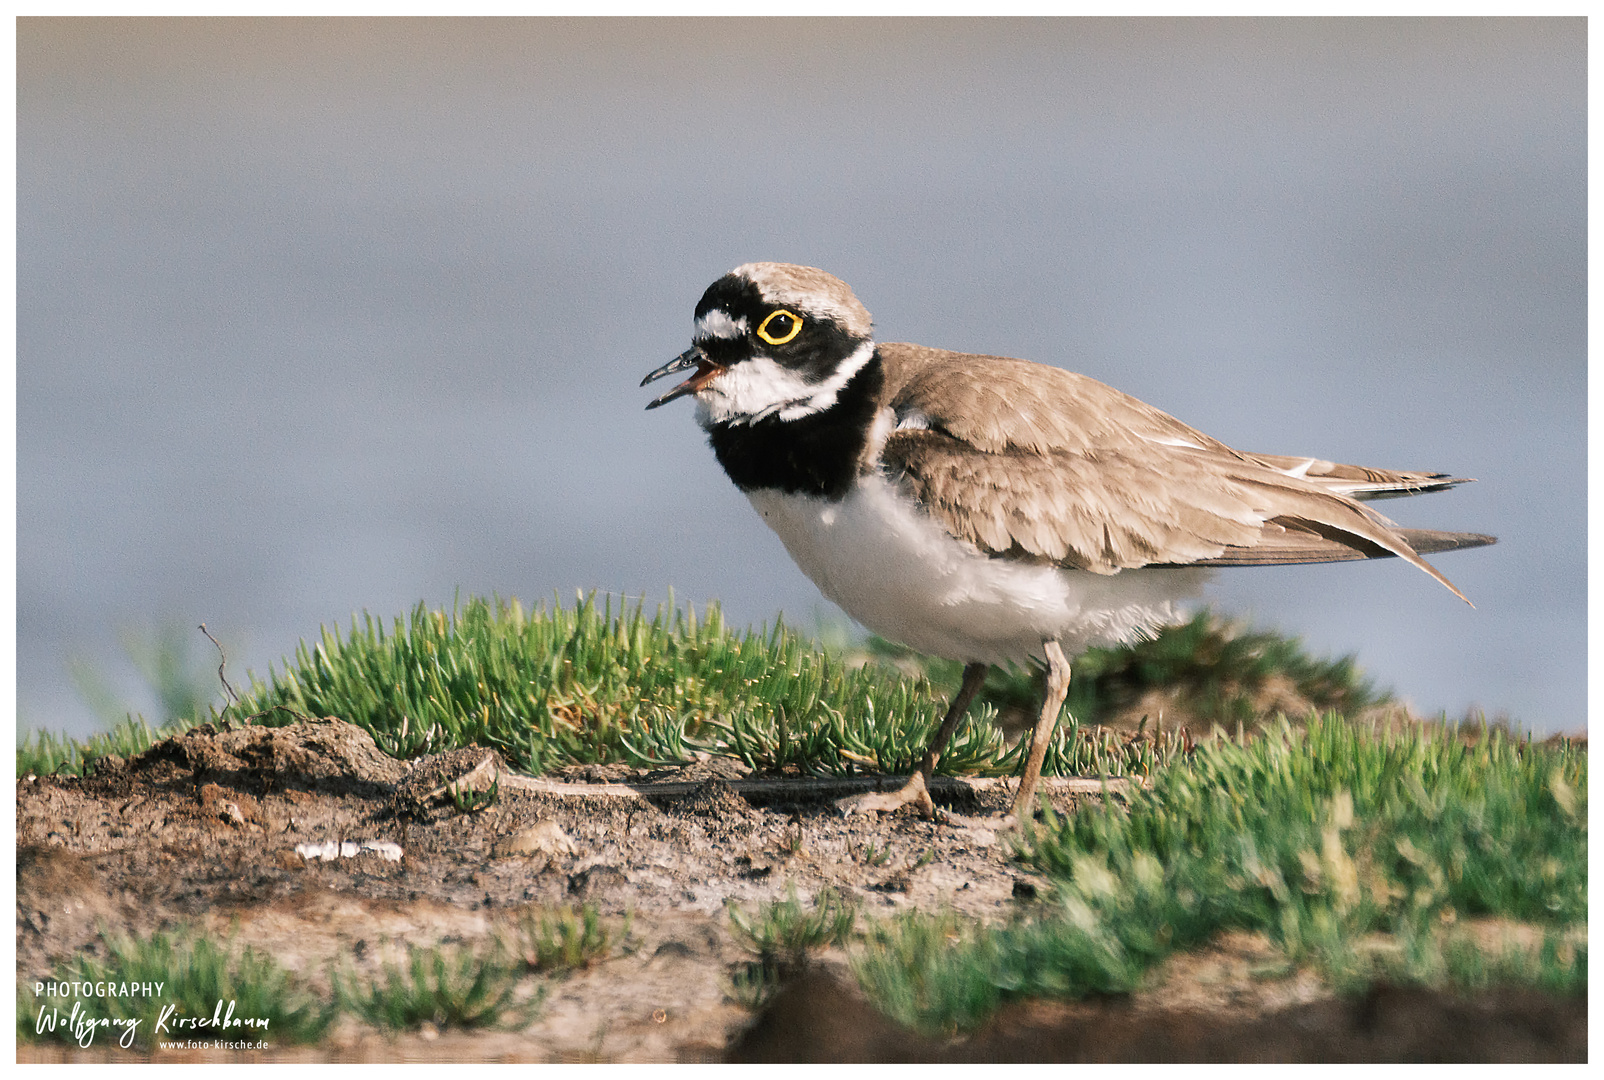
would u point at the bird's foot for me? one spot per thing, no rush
(884, 802)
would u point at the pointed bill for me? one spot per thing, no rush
(690, 358)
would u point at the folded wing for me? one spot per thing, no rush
(1035, 462)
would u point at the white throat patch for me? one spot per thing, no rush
(760, 387)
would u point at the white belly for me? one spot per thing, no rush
(901, 575)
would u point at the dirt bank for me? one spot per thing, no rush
(203, 831)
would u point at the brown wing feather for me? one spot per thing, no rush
(1035, 462)
(996, 403)
(1359, 481)
(1103, 512)
(1287, 540)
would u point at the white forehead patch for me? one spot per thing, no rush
(718, 324)
(760, 387)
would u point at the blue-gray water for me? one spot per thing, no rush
(316, 317)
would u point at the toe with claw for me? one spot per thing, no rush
(884, 802)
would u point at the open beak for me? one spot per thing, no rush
(690, 358)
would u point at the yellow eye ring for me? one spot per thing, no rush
(786, 333)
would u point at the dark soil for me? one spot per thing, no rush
(821, 1018)
(201, 832)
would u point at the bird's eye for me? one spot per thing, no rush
(781, 326)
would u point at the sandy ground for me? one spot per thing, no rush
(202, 831)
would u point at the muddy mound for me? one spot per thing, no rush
(328, 756)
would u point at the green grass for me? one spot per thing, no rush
(943, 974)
(45, 753)
(196, 974)
(1322, 838)
(1558, 965)
(446, 987)
(1338, 824)
(590, 684)
(443, 986)
(563, 939)
(584, 684)
(781, 935)
(785, 931)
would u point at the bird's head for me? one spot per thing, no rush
(771, 340)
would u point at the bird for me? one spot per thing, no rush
(992, 510)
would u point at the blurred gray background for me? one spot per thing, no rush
(320, 317)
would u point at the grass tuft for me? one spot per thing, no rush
(564, 939)
(441, 986)
(199, 979)
(943, 974)
(785, 931)
(45, 753)
(782, 934)
(586, 685)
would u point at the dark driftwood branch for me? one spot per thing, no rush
(486, 772)
(804, 787)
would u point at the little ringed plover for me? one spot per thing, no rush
(988, 510)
